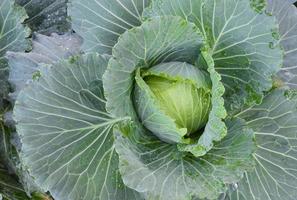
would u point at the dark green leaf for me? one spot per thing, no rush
(9, 146)
(10, 189)
(46, 16)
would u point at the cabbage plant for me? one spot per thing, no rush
(148, 100)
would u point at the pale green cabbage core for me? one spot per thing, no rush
(173, 100)
(182, 101)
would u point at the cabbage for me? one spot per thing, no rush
(148, 99)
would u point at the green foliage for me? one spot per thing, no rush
(10, 189)
(148, 100)
(13, 37)
(47, 16)
(275, 158)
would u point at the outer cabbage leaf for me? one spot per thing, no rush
(23, 68)
(7, 151)
(9, 146)
(244, 50)
(162, 172)
(10, 189)
(275, 175)
(46, 50)
(46, 16)
(286, 14)
(100, 23)
(160, 40)
(66, 134)
(13, 37)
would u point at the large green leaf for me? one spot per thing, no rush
(13, 37)
(242, 44)
(286, 14)
(46, 16)
(101, 22)
(66, 134)
(24, 67)
(10, 189)
(275, 175)
(162, 172)
(46, 50)
(160, 40)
